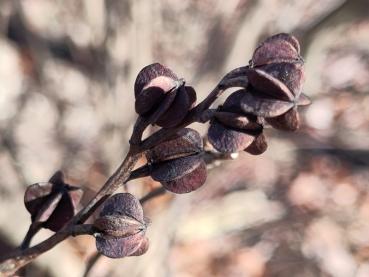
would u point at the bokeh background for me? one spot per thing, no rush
(67, 70)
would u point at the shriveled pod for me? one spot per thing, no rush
(161, 96)
(121, 227)
(231, 130)
(52, 204)
(177, 163)
(280, 47)
(184, 143)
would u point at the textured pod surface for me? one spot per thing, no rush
(174, 169)
(290, 74)
(270, 84)
(264, 107)
(285, 37)
(118, 225)
(123, 204)
(188, 182)
(122, 226)
(227, 140)
(142, 249)
(185, 142)
(280, 47)
(289, 121)
(184, 100)
(258, 146)
(119, 247)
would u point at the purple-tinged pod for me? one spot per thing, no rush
(228, 140)
(269, 84)
(174, 169)
(280, 47)
(260, 105)
(184, 143)
(183, 102)
(162, 97)
(121, 227)
(189, 182)
(289, 121)
(258, 146)
(290, 74)
(53, 203)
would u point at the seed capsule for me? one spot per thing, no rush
(52, 203)
(177, 163)
(162, 97)
(121, 227)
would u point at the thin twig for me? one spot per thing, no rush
(14, 261)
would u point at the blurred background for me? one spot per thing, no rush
(67, 70)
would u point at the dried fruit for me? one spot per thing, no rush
(232, 130)
(162, 97)
(52, 203)
(275, 82)
(121, 227)
(178, 163)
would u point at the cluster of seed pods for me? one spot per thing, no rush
(52, 204)
(272, 95)
(274, 91)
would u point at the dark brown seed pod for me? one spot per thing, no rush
(119, 247)
(189, 182)
(285, 37)
(232, 103)
(281, 47)
(228, 140)
(184, 143)
(258, 146)
(184, 100)
(52, 203)
(121, 227)
(123, 204)
(289, 121)
(161, 97)
(290, 74)
(142, 249)
(174, 169)
(152, 84)
(263, 106)
(270, 85)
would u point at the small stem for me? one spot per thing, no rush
(111, 185)
(140, 172)
(32, 231)
(14, 261)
